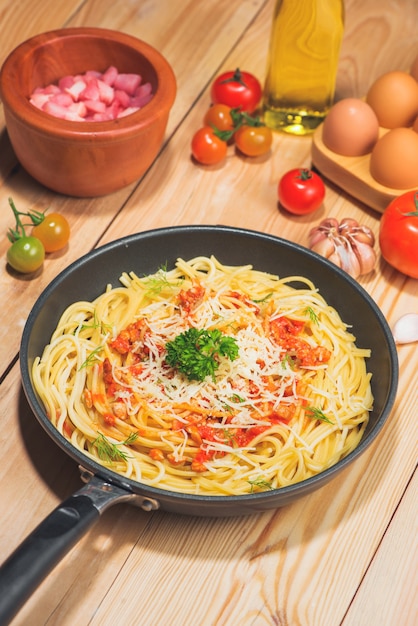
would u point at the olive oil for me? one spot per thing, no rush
(302, 64)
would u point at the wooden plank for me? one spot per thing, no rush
(387, 596)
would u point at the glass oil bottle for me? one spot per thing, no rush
(302, 64)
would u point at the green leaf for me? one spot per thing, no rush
(196, 353)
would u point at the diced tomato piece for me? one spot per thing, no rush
(156, 454)
(190, 298)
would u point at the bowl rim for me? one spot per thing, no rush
(18, 106)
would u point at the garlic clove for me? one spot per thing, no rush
(405, 329)
(347, 225)
(365, 255)
(349, 260)
(364, 235)
(324, 247)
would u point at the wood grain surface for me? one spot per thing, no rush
(345, 555)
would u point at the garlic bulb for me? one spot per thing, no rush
(347, 244)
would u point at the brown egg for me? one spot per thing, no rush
(394, 159)
(394, 99)
(350, 128)
(415, 125)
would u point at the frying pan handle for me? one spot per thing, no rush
(38, 554)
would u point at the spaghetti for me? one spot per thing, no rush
(291, 399)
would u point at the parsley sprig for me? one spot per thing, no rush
(196, 353)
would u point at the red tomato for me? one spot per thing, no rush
(53, 231)
(253, 140)
(237, 89)
(207, 147)
(219, 116)
(301, 191)
(398, 234)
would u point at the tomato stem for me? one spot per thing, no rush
(236, 78)
(413, 213)
(36, 217)
(239, 118)
(304, 174)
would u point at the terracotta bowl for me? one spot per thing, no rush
(84, 158)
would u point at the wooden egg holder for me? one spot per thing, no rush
(352, 174)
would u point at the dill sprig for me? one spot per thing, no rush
(159, 281)
(316, 413)
(288, 361)
(312, 315)
(109, 451)
(196, 353)
(92, 357)
(96, 324)
(260, 483)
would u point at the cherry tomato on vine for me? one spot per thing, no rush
(398, 233)
(237, 89)
(301, 191)
(53, 232)
(26, 255)
(253, 140)
(207, 147)
(219, 116)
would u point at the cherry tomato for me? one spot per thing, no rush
(53, 232)
(398, 233)
(301, 191)
(26, 255)
(219, 116)
(253, 140)
(237, 89)
(207, 147)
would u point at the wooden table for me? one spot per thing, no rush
(344, 555)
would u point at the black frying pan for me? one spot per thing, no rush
(145, 253)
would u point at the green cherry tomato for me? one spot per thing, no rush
(53, 232)
(26, 255)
